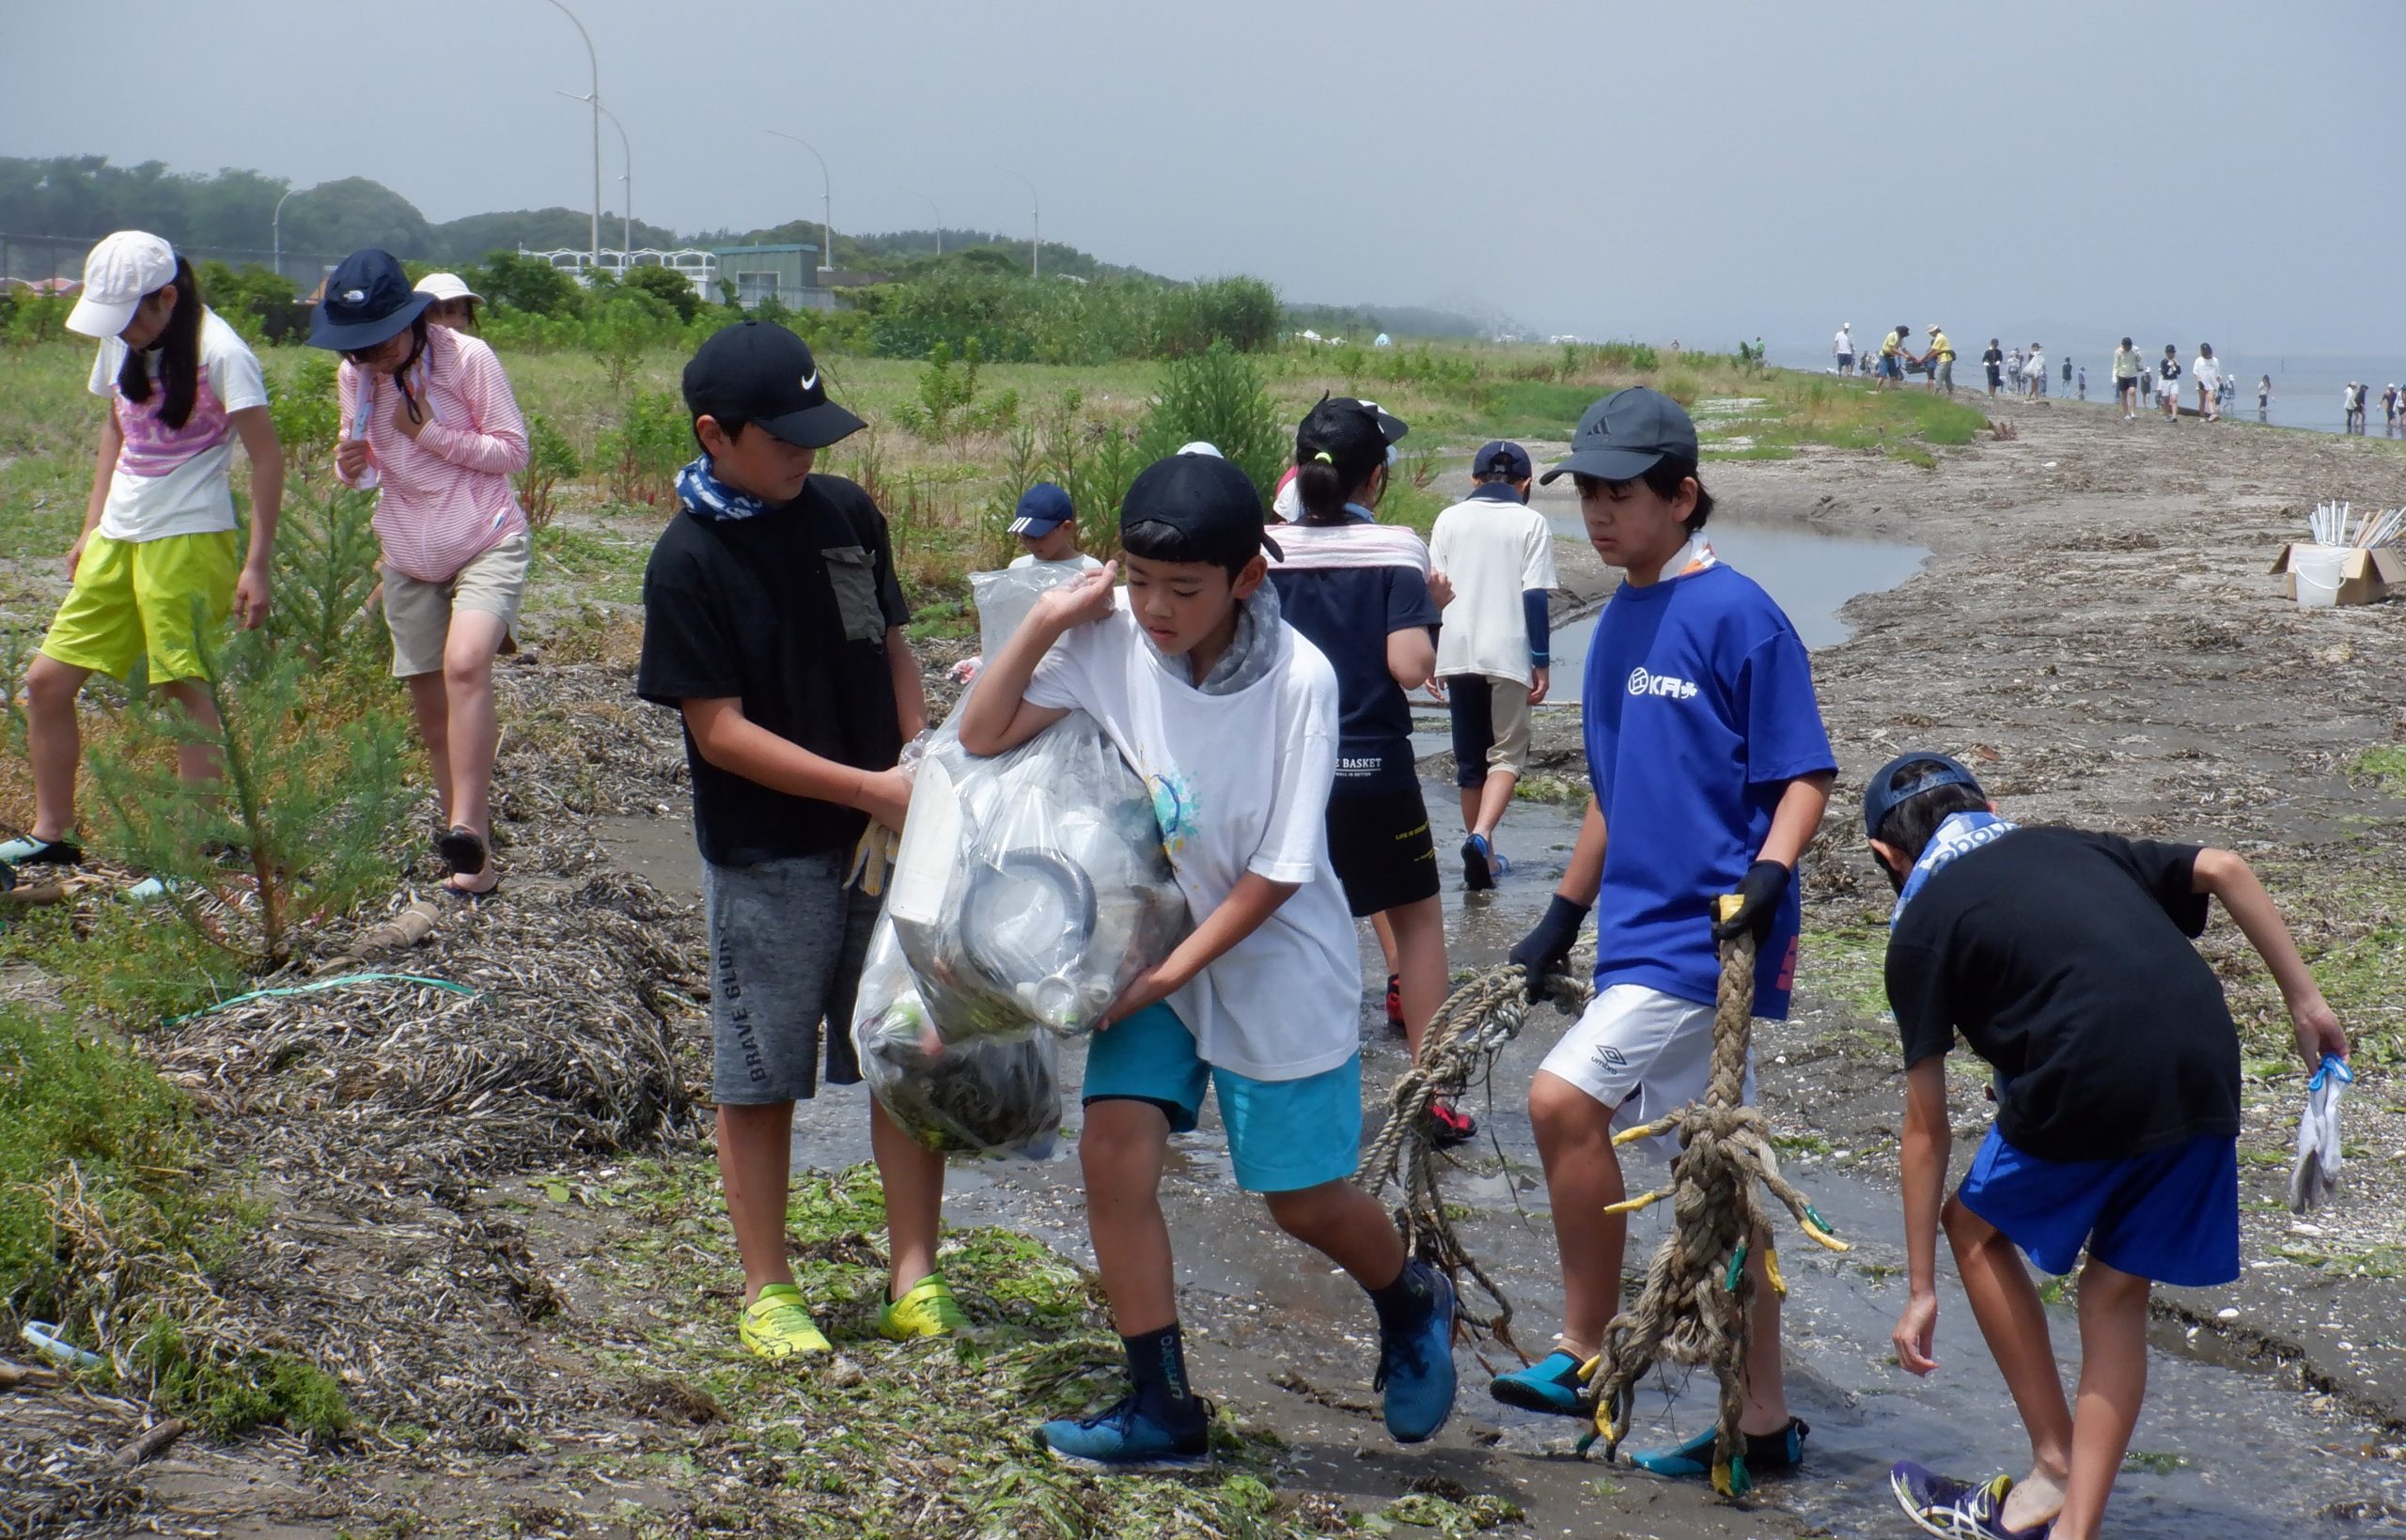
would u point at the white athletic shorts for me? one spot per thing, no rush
(1642, 1053)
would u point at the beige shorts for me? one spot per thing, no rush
(1491, 719)
(419, 613)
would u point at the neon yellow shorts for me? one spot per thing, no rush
(134, 600)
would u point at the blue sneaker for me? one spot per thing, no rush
(1416, 1366)
(1479, 871)
(1130, 1435)
(1958, 1510)
(1550, 1384)
(1766, 1452)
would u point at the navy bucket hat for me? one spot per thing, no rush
(368, 300)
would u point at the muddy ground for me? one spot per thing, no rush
(523, 1315)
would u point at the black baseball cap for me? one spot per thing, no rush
(1623, 436)
(1207, 499)
(760, 373)
(1501, 457)
(1879, 797)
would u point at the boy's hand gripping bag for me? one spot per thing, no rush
(1028, 890)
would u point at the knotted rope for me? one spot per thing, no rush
(1698, 1296)
(1462, 1040)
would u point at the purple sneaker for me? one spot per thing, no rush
(1956, 1510)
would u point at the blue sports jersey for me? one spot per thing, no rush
(1699, 711)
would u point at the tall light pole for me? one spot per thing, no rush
(938, 212)
(276, 229)
(1036, 236)
(626, 230)
(594, 61)
(826, 218)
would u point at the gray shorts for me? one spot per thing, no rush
(787, 943)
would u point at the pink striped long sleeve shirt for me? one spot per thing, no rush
(444, 498)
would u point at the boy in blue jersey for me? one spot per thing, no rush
(1710, 770)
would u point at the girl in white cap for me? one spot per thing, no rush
(159, 547)
(455, 302)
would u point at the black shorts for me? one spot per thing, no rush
(1381, 847)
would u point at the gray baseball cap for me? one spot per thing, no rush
(1620, 437)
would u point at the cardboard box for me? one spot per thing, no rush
(2369, 577)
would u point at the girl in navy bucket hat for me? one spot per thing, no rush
(429, 423)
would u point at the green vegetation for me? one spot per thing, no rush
(2385, 766)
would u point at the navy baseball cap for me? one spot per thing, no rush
(1042, 508)
(1208, 499)
(1501, 457)
(1880, 798)
(1623, 436)
(757, 372)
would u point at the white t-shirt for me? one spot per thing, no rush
(2206, 372)
(2038, 362)
(175, 481)
(1492, 550)
(1843, 344)
(1079, 563)
(1240, 783)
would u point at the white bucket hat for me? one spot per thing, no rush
(448, 285)
(121, 270)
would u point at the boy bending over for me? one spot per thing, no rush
(1231, 718)
(2063, 957)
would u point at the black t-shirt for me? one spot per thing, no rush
(788, 612)
(2063, 957)
(1348, 613)
(1995, 355)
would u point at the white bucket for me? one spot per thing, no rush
(2318, 572)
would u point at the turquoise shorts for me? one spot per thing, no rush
(1283, 1135)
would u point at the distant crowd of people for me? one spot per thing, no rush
(2353, 399)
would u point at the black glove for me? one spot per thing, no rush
(1546, 949)
(1759, 894)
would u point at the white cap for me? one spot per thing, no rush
(121, 270)
(448, 285)
(1202, 446)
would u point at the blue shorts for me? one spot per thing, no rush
(2170, 1215)
(1283, 1135)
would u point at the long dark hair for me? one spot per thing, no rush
(401, 375)
(179, 350)
(1338, 450)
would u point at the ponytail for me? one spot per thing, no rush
(1339, 452)
(179, 350)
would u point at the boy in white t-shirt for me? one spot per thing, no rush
(159, 549)
(1231, 718)
(1047, 527)
(1492, 663)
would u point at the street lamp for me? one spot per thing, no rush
(594, 61)
(938, 212)
(826, 225)
(1036, 236)
(275, 227)
(626, 230)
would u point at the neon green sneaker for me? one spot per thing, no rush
(928, 1310)
(777, 1327)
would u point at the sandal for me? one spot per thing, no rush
(25, 851)
(469, 896)
(462, 848)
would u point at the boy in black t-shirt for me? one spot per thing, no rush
(2063, 957)
(774, 622)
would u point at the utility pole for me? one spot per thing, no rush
(625, 229)
(1035, 237)
(826, 218)
(939, 215)
(594, 61)
(276, 228)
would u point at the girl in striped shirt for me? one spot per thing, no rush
(430, 423)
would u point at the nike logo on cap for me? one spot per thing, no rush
(810, 380)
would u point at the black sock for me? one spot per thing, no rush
(1405, 1303)
(1157, 1364)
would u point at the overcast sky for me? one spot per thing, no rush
(2051, 168)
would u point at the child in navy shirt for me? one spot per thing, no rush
(1710, 770)
(2063, 959)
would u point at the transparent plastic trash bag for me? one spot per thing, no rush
(1030, 888)
(994, 1096)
